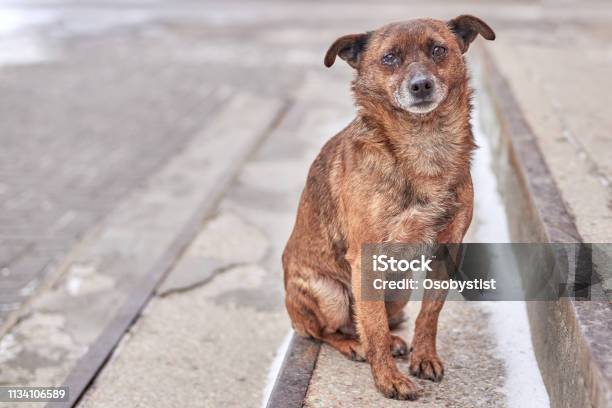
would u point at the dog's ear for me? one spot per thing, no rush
(467, 27)
(349, 47)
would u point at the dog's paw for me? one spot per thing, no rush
(399, 348)
(357, 355)
(426, 365)
(353, 350)
(393, 384)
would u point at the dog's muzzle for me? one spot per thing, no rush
(420, 93)
(421, 88)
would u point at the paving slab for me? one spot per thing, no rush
(209, 355)
(474, 374)
(77, 137)
(46, 344)
(240, 320)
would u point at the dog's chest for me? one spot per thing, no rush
(432, 154)
(419, 209)
(416, 185)
(420, 223)
(403, 192)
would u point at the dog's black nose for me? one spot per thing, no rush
(421, 87)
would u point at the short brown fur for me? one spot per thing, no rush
(390, 176)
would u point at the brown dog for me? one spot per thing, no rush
(399, 172)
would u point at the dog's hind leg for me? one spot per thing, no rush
(349, 347)
(320, 308)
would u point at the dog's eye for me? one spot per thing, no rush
(438, 51)
(390, 59)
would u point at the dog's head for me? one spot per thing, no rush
(410, 65)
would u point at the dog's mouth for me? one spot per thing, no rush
(418, 106)
(422, 107)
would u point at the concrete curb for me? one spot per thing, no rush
(294, 376)
(570, 337)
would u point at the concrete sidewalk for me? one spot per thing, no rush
(173, 67)
(225, 296)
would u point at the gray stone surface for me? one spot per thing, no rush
(210, 354)
(79, 134)
(190, 272)
(474, 375)
(103, 271)
(216, 251)
(240, 311)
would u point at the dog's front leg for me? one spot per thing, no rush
(375, 337)
(424, 359)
